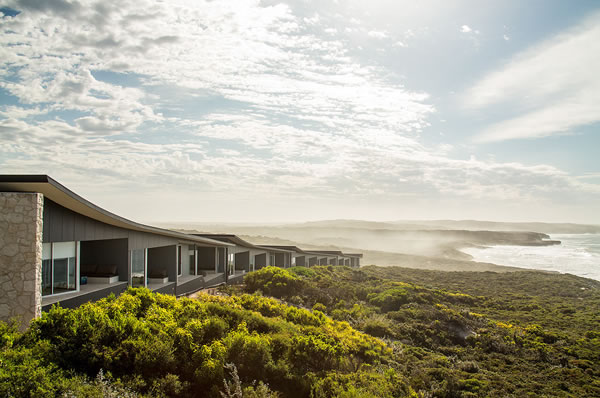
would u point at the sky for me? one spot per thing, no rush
(269, 111)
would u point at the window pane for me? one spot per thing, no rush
(46, 277)
(192, 264)
(137, 268)
(62, 277)
(178, 260)
(64, 249)
(46, 251)
(72, 274)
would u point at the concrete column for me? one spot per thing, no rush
(21, 222)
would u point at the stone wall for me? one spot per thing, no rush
(21, 218)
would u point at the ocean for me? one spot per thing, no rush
(579, 254)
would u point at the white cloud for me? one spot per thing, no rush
(377, 34)
(554, 84)
(289, 112)
(465, 29)
(506, 37)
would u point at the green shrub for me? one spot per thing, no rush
(273, 281)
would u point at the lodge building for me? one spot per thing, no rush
(57, 247)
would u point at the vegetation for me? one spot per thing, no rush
(468, 334)
(156, 345)
(329, 332)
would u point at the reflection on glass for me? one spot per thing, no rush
(71, 283)
(138, 275)
(59, 267)
(46, 277)
(192, 262)
(179, 272)
(64, 275)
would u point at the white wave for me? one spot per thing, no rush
(578, 255)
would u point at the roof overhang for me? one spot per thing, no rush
(357, 255)
(330, 253)
(286, 248)
(276, 250)
(233, 239)
(244, 243)
(63, 196)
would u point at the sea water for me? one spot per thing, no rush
(578, 254)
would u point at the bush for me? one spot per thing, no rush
(274, 281)
(159, 346)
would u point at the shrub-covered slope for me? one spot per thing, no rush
(155, 345)
(463, 334)
(331, 332)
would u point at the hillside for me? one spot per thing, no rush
(330, 332)
(465, 334)
(151, 345)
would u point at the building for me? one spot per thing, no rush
(353, 259)
(336, 257)
(299, 257)
(56, 246)
(246, 256)
(332, 257)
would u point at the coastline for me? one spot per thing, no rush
(577, 254)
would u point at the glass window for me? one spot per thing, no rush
(59, 267)
(179, 269)
(63, 260)
(192, 267)
(138, 268)
(46, 269)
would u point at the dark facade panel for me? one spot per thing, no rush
(142, 240)
(260, 260)
(64, 225)
(280, 260)
(168, 289)
(242, 261)
(105, 252)
(206, 259)
(222, 259)
(219, 280)
(189, 287)
(163, 259)
(56, 221)
(75, 302)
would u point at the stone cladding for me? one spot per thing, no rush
(21, 222)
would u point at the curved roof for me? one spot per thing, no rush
(231, 238)
(63, 196)
(294, 249)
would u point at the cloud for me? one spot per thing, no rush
(231, 99)
(377, 34)
(465, 29)
(60, 7)
(553, 85)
